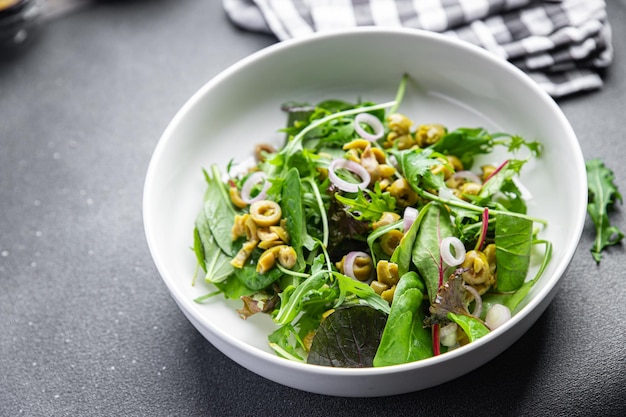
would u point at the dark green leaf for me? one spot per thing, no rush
(416, 166)
(465, 143)
(219, 211)
(513, 244)
(369, 205)
(249, 276)
(405, 339)
(293, 212)
(215, 263)
(348, 338)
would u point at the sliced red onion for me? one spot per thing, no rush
(410, 214)
(348, 263)
(249, 184)
(497, 315)
(371, 121)
(446, 253)
(353, 167)
(467, 175)
(478, 307)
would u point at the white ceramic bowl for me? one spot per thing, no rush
(455, 84)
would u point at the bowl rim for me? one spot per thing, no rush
(187, 304)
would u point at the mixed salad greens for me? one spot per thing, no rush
(370, 240)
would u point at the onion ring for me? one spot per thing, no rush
(371, 121)
(348, 263)
(497, 315)
(446, 254)
(249, 184)
(479, 301)
(467, 175)
(352, 167)
(410, 214)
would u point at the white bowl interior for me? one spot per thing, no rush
(451, 83)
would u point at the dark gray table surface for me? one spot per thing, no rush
(87, 327)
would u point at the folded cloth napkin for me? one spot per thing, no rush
(564, 45)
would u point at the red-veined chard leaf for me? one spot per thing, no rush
(434, 226)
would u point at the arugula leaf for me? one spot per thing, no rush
(603, 194)
(365, 293)
(292, 299)
(369, 205)
(287, 343)
(501, 191)
(465, 143)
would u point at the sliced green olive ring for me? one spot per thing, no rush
(265, 213)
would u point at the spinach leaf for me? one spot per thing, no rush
(291, 203)
(249, 276)
(513, 244)
(215, 263)
(603, 194)
(405, 339)
(434, 226)
(218, 210)
(348, 338)
(403, 253)
(198, 248)
(512, 299)
(234, 289)
(474, 328)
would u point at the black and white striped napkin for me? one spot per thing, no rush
(562, 44)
